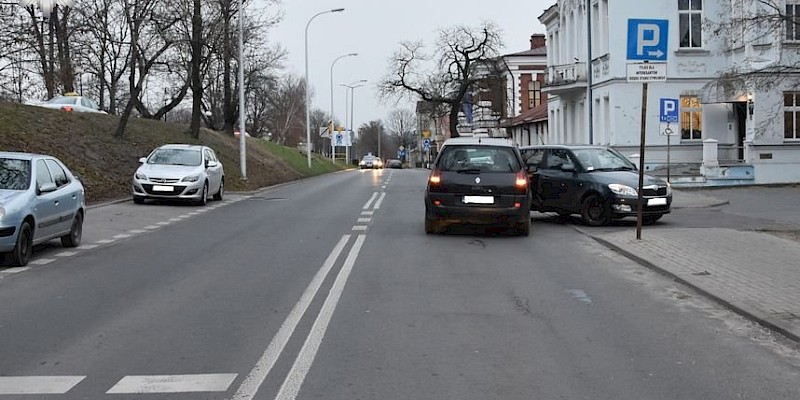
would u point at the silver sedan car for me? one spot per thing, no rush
(179, 172)
(40, 200)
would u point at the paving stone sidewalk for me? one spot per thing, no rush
(754, 274)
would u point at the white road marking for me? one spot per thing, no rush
(367, 212)
(176, 219)
(380, 200)
(359, 227)
(38, 384)
(302, 364)
(162, 223)
(255, 378)
(88, 246)
(371, 199)
(66, 254)
(136, 231)
(15, 270)
(194, 213)
(364, 219)
(383, 187)
(151, 227)
(106, 241)
(122, 236)
(173, 383)
(202, 210)
(42, 261)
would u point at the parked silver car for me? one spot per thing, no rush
(71, 102)
(180, 172)
(40, 200)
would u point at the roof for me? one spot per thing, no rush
(565, 146)
(21, 156)
(539, 51)
(182, 146)
(488, 141)
(536, 114)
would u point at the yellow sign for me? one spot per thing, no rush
(426, 134)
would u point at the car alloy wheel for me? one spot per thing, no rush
(221, 191)
(594, 211)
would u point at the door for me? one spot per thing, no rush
(214, 173)
(556, 188)
(46, 210)
(67, 200)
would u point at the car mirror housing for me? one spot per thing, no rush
(567, 167)
(142, 160)
(47, 187)
(211, 164)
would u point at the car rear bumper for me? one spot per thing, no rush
(507, 212)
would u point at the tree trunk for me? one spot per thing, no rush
(197, 84)
(454, 109)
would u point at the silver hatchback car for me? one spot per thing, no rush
(179, 172)
(40, 200)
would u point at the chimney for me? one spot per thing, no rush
(537, 40)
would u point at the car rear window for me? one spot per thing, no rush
(482, 158)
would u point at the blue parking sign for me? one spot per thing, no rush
(648, 39)
(668, 110)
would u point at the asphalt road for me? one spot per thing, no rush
(329, 288)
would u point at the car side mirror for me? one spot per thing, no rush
(142, 160)
(531, 168)
(47, 187)
(568, 167)
(211, 164)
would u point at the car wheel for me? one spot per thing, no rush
(138, 200)
(651, 219)
(431, 225)
(73, 239)
(221, 192)
(203, 200)
(594, 211)
(24, 247)
(523, 228)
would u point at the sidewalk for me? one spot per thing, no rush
(755, 274)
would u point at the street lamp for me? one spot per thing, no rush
(242, 115)
(308, 112)
(46, 6)
(333, 148)
(351, 124)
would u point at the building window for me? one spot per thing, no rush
(691, 118)
(534, 94)
(690, 13)
(791, 112)
(793, 20)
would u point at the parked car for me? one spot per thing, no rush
(596, 182)
(40, 200)
(71, 102)
(394, 163)
(478, 181)
(179, 172)
(371, 162)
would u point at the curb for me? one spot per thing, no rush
(751, 315)
(710, 205)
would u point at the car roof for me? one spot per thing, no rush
(565, 146)
(486, 141)
(22, 156)
(182, 146)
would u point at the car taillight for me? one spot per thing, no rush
(67, 108)
(435, 179)
(521, 181)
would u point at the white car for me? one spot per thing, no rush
(71, 103)
(179, 172)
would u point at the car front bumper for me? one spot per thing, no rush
(179, 191)
(623, 206)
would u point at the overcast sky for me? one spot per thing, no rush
(373, 29)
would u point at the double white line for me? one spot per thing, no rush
(302, 364)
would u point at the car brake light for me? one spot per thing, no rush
(435, 179)
(67, 108)
(522, 180)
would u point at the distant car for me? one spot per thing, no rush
(71, 102)
(394, 163)
(179, 172)
(40, 200)
(478, 181)
(370, 162)
(596, 182)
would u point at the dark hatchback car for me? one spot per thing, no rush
(596, 182)
(478, 181)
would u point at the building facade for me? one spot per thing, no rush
(526, 114)
(737, 116)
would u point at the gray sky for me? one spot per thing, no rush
(373, 29)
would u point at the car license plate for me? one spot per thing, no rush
(160, 188)
(658, 201)
(478, 200)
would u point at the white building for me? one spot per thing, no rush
(749, 127)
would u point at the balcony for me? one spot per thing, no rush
(560, 79)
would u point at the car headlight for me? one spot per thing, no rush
(192, 178)
(669, 189)
(140, 176)
(622, 189)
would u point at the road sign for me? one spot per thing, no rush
(667, 129)
(339, 139)
(668, 110)
(648, 39)
(647, 72)
(426, 143)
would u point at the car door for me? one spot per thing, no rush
(556, 188)
(532, 159)
(67, 200)
(213, 172)
(46, 207)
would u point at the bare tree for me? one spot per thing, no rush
(457, 66)
(402, 125)
(370, 135)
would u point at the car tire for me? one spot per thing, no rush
(523, 228)
(203, 200)
(138, 200)
(221, 192)
(594, 211)
(73, 239)
(431, 225)
(24, 247)
(651, 219)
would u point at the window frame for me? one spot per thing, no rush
(691, 14)
(792, 21)
(695, 133)
(794, 110)
(534, 93)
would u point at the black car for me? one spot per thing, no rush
(478, 181)
(596, 182)
(394, 163)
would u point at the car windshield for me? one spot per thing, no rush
(63, 100)
(477, 158)
(15, 174)
(598, 159)
(175, 157)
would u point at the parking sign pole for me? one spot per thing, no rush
(640, 205)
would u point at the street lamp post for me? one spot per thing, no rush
(242, 115)
(333, 148)
(351, 123)
(308, 97)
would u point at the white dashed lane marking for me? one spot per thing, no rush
(380, 200)
(162, 223)
(15, 270)
(367, 212)
(88, 246)
(151, 227)
(173, 383)
(106, 241)
(360, 228)
(42, 261)
(38, 384)
(136, 231)
(122, 236)
(66, 254)
(364, 219)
